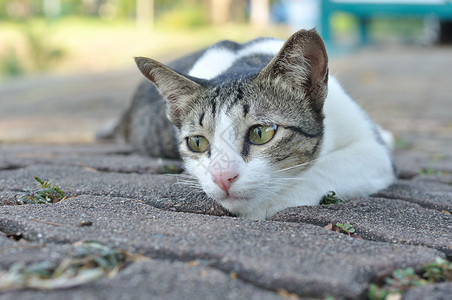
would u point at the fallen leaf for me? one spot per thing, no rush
(285, 294)
(193, 263)
(233, 275)
(329, 226)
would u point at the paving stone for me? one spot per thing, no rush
(62, 150)
(438, 291)
(161, 191)
(26, 252)
(393, 221)
(435, 195)
(106, 159)
(300, 258)
(8, 197)
(411, 163)
(444, 178)
(157, 279)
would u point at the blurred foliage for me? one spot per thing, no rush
(10, 63)
(184, 16)
(22, 9)
(381, 29)
(43, 35)
(40, 51)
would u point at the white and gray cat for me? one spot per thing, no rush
(264, 127)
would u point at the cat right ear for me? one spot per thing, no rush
(301, 66)
(174, 87)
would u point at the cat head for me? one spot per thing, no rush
(245, 138)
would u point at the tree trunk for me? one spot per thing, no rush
(220, 11)
(145, 15)
(260, 13)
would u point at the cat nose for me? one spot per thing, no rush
(224, 179)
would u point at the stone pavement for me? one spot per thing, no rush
(192, 248)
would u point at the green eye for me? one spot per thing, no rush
(260, 134)
(197, 143)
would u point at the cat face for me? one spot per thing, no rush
(244, 152)
(245, 139)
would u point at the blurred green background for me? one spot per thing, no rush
(67, 68)
(96, 35)
(64, 36)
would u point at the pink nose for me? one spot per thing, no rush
(224, 179)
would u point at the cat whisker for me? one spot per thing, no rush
(190, 184)
(186, 180)
(282, 179)
(182, 175)
(192, 193)
(306, 164)
(280, 184)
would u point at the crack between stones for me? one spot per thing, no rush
(368, 237)
(212, 262)
(109, 171)
(12, 167)
(206, 260)
(423, 205)
(164, 254)
(363, 235)
(176, 208)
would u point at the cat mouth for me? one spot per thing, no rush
(232, 198)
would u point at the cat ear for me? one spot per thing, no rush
(301, 66)
(175, 88)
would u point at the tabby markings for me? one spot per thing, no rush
(201, 118)
(301, 131)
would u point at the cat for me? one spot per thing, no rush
(263, 126)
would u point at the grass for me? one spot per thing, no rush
(48, 193)
(429, 169)
(403, 279)
(331, 198)
(89, 261)
(345, 228)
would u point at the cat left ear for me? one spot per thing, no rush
(175, 88)
(301, 66)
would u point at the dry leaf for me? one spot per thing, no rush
(329, 226)
(233, 275)
(193, 263)
(285, 294)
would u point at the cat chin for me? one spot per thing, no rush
(250, 208)
(230, 201)
(244, 208)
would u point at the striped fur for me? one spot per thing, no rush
(322, 143)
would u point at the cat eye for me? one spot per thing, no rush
(260, 134)
(197, 143)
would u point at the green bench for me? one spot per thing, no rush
(364, 10)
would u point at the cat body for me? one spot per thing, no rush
(263, 126)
